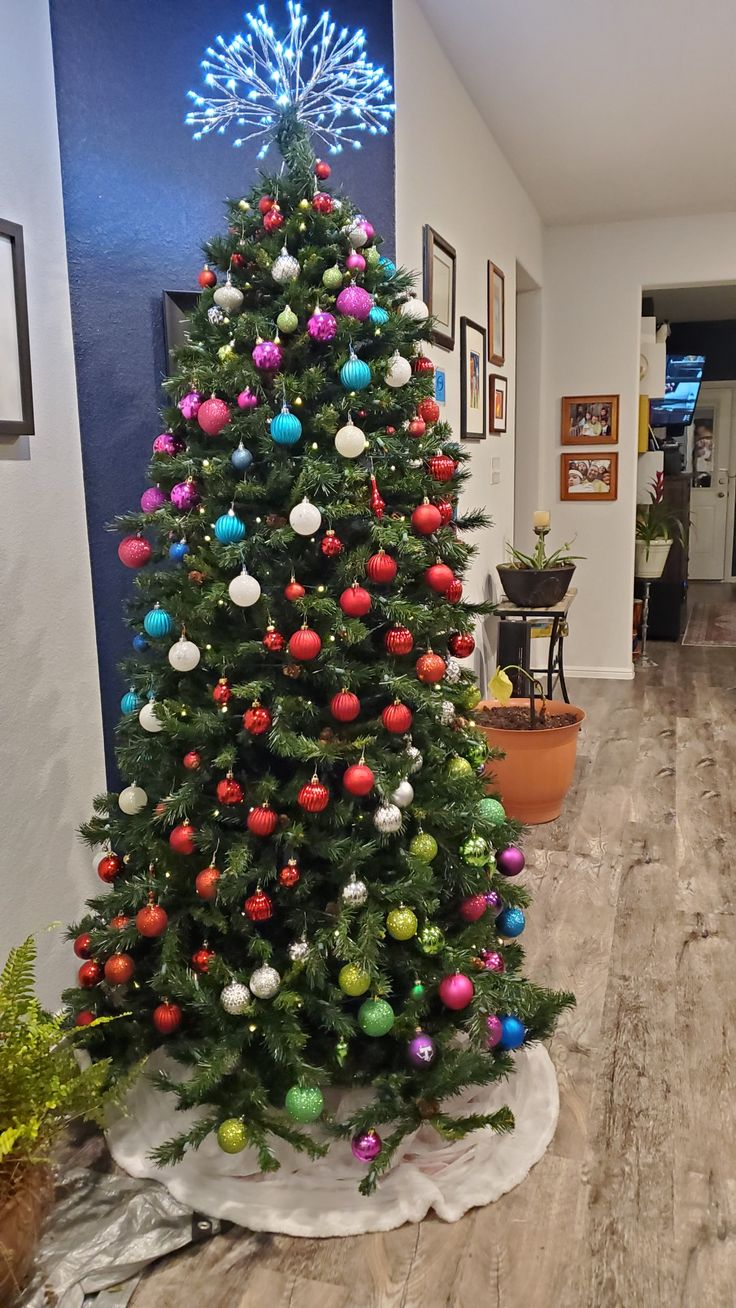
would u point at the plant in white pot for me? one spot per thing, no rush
(657, 526)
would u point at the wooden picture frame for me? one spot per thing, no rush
(472, 381)
(498, 394)
(177, 306)
(588, 477)
(16, 383)
(439, 286)
(496, 315)
(589, 420)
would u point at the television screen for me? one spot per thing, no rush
(682, 386)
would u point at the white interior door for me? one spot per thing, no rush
(708, 462)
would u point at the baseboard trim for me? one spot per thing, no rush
(602, 674)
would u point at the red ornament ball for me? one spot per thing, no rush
(85, 1017)
(237, 260)
(192, 760)
(454, 592)
(422, 364)
(472, 908)
(290, 874)
(331, 545)
(273, 641)
(266, 203)
(81, 945)
(322, 203)
(381, 568)
(431, 668)
(345, 706)
(205, 882)
(322, 170)
(212, 416)
(438, 577)
(441, 467)
(313, 797)
(166, 1018)
(222, 694)
(398, 640)
(397, 718)
(152, 921)
(305, 645)
(428, 409)
(273, 220)
(257, 719)
(426, 518)
(258, 906)
(201, 959)
(262, 821)
(229, 791)
(207, 277)
(417, 427)
(109, 867)
(134, 551)
(359, 779)
(119, 922)
(355, 601)
(183, 838)
(294, 590)
(90, 974)
(445, 509)
(461, 644)
(119, 969)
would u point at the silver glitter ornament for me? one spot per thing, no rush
(265, 982)
(453, 671)
(447, 713)
(416, 759)
(235, 998)
(403, 794)
(285, 268)
(355, 892)
(299, 950)
(215, 315)
(228, 297)
(387, 819)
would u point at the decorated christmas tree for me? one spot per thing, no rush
(307, 886)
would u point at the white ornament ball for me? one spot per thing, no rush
(350, 441)
(148, 720)
(305, 518)
(399, 371)
(132, 800)
(416, 759)
(355, 892)
(244, 590)
(453, 671)
(403, 794)
(447, 712)
(285, 268)
(387, 819)
(265, 982)
(215, 315)
(357, 235)
(184, 655)
(414, 308)
(235, 998)
(299, 950)
(228, 297)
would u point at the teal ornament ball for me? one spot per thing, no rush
(375, 1017)
(285, 428)
(158, 623)
(304, 1103)
(475, 850)
(388, 267)
(378, 315)
(231, 1136)
(229, 529)
(355, 375)
(510, 922)
(492, 810)
(130, 703)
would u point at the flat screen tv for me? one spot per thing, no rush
(682, 387)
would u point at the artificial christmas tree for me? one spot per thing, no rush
(301, 875)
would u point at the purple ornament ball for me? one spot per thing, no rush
(189, 404)
(185, 495)
(354, 302)
(322, 326)
(247, 399)
(493, 900)
(456, 991)
(495, 1030)
(510, 861)
(366, 1146)
(355, 262)
(421, 1050)
(167, 444)
(493, 961)
(267, 355)
(152, 499)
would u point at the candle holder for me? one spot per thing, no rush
(541, 534)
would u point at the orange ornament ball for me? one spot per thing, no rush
(119, 969)
(205, 882)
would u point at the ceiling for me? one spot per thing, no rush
(606, 109)
(695, 303)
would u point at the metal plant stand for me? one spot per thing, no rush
(644, 659)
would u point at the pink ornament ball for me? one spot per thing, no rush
(322, 326)
(248, 399)
(494, 1029)
(185, 495)
(167, 444)
(134, 551)
(189, 404)
(368, 228)
(152, 499)
(355, 262)
(472, 908)
(267, 356)
(493, 962)
(510, 861)
(456, 991)
(213, 415)
(366, 1146)
(354, 302)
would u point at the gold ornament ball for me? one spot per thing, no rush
(304, 204)
(353, 980)
(402, 923)
(458, 767)
(232, 1136)
(243, 204)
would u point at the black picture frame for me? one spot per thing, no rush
(444, 312)
(22, 425)
(177, 305)
(473, 416)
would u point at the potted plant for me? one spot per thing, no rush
(656, 528)
(538, 579)
(42, 1090)
(538, 740)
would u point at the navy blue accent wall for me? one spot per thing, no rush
(140, 196)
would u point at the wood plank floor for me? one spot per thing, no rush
(635, 1202)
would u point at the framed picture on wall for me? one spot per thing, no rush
(589, 420)
(496, 315)
(177, 307)
(472, 381)
(497, 396)
(588, 477)
(16, 388)
(439, 286)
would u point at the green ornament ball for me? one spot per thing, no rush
(431, 940)
(417, 990)
(375, 1017)
(353, 980)
(332, 278)
(287, 321)
(401, 923)
(476, 753)
(231, 1136)
(372, 256)
(471, 698)
(424, 847)
(304, 1103)
(458, 767)
(475, 850)
(492, 810)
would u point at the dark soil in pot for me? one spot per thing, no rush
(517, 719)
(531, 588)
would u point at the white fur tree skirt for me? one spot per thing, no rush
(321, 1198)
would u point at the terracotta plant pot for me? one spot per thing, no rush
(537, 770)
(533, 587)
(20, 1227)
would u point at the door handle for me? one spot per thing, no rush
(721, 495)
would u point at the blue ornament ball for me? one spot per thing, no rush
(140, 644)
(178, 550)
(130, 702)
(388, 266)
(229, 529)
(513, 1032)
(378, 315)
(355, 375)
(241, 459)
(158, 623)
(510, 922)
(285, 428)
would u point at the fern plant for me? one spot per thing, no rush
(42, 1087)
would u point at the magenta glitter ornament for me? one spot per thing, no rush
(368, 228)
(495, 1030)
(322, 326)
(510, 861)
(421, 1050)
(152, 499)
(267, 355)
(247, 399)
(493, 962)
(472, 908)
(189, 404)
(354, 302)
(167, 444)
(185, 495)
(456, 991)
(355, 262)
(213, 415)
(493, 900)
(366, 1146)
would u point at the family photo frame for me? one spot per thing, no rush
(589, 420)
(589, 477)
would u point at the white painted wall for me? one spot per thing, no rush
(593, 280)
(49, 699)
